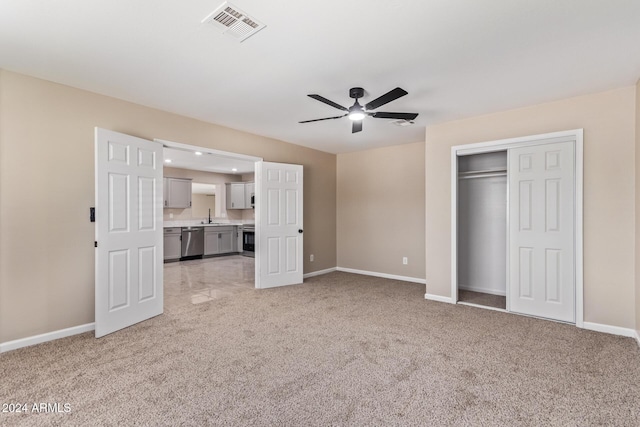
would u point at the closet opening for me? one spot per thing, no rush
(482, 209)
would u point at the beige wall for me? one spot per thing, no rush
(609, 196)
(381, 210)
(201, 205)
(47, 152)
(637, 211)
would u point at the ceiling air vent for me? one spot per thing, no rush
(402, 122)
(234, 22)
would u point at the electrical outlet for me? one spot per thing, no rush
(311, 257)
(170, 215)
(405, 260)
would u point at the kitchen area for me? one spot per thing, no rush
(210, 236)
(209, 226)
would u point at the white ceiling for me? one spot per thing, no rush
(456, 58)
(187, 159)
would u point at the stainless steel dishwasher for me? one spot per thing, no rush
(192, 242)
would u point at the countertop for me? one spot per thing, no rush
(194, 223)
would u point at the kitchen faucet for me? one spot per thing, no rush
(209, 215)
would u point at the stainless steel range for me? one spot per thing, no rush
(248, 240)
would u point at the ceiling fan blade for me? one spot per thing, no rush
(357, 126)
(328, 102)
(392, 95)
(401, 116)
(326, 118)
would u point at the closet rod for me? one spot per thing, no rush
(483, 171)
(482, 175)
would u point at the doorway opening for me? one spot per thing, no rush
(208, 232)
(482, 229)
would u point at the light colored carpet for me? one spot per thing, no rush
(342, 349)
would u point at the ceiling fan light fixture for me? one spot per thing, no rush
(356, 115)
(356, 112)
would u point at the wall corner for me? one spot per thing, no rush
(637, 211)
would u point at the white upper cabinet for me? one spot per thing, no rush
(236, 195)
(177, 193)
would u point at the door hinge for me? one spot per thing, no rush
(95, 244)
(92, 214)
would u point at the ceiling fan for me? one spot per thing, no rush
(357, 112)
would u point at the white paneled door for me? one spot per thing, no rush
(279, 238)
(128, 231)
(541, 230)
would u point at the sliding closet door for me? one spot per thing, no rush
(541, 231)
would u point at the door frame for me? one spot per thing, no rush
(575, 135)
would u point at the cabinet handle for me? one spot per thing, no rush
(165, 203)
(219, 235)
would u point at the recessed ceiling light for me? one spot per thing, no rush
(234, 170)
(167, 160)
(198, 153)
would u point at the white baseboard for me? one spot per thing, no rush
(319, 272)
(49, 336)
(614, 330)
(637, 337)
(483, 290)
(383, 275)
(439, 298)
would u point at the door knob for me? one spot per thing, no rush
(300, 231)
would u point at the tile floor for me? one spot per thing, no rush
(201, 280)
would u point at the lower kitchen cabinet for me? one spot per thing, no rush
(172, 243)
(219, 240)
(226, 241)
(211, 245)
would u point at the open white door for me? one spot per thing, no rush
(541, 230)
(279, 253)
(128, 230)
